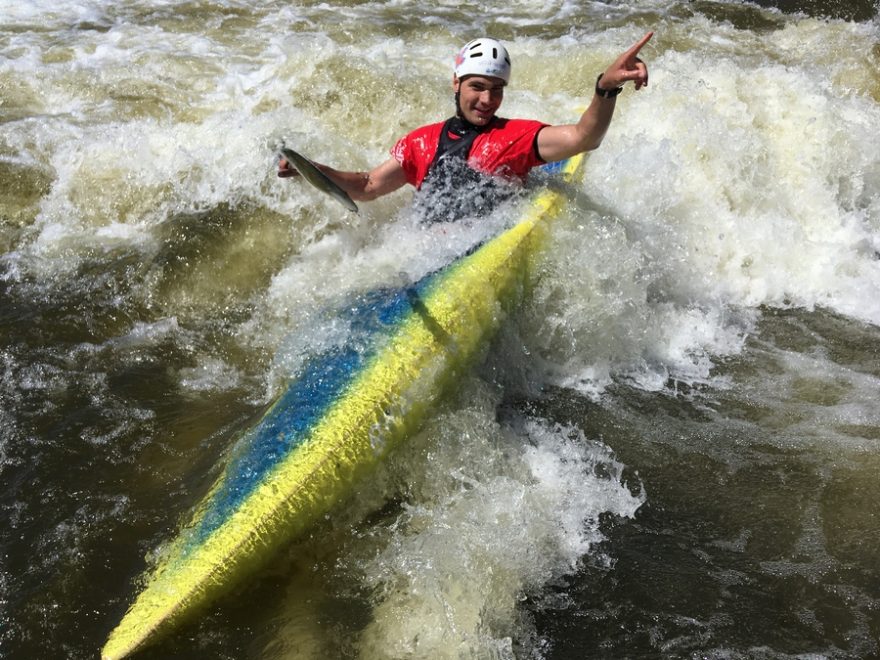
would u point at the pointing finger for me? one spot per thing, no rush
(632, 52)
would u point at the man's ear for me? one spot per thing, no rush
(456, 83)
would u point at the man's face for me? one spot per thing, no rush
(479, 97)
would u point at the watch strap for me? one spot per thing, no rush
(607, 93)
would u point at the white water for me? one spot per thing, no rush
(744, 178)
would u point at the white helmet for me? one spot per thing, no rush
(483, 57)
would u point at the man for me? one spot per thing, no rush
(477, 140)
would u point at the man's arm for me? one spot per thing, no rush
(560, 142)
(361, 186)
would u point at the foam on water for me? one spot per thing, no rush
(46, 12)
(489, 534)
(767, 215)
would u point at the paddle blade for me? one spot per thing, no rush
(317, 178)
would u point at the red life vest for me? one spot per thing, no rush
(506, 148)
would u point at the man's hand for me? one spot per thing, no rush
(286, 170)
(627, 67)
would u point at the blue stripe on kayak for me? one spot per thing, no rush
(554, 167)
(287, 423)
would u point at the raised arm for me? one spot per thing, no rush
(563, 141)
(361, 186)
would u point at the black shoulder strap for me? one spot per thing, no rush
(456, 140)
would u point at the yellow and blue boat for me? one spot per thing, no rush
(342, 416)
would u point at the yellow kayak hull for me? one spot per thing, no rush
(331, 432)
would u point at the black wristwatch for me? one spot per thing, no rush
(607, 93)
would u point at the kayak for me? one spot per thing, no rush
(342, 415)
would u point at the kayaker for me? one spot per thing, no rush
(443, 156)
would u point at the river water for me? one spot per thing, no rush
(671, 450)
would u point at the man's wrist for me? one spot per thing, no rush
(606, 93)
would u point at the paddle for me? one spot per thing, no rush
(316, 177)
